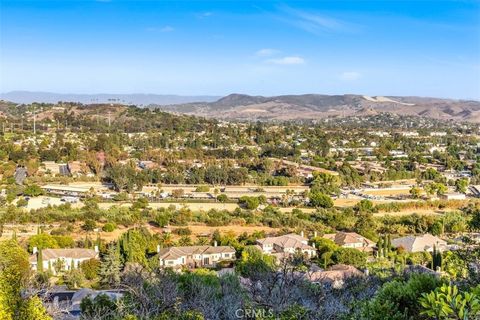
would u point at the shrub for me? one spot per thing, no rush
(89, 225)
(202, 189)
(122, 196)
(350, 256)
(183, 231)
(320, 200)
(109, 227)
(222, 197)
(22, 202)
(90, 268)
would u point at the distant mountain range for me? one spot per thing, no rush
(136, 98)
(316, 106)
(285, 107)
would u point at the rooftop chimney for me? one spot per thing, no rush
(301, 233)
(96, 249)
(215, 243)
(35, 250)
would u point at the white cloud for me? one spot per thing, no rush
(167, 29)
(287, 60)
(204, 15)
(350, 75)
(161, 29)
(266, 52)
(317, 23)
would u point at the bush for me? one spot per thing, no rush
(222, 198)
(64, 241)
(122, 196)
(22, 202)
(109, 227)
(350, 256)
(250, 203)
(320, 200)
(400, 299)
(89, 225)
(33, 190)
(59, 232)
(183, 231)
(202, 189)
(90, 268)
(42, 241)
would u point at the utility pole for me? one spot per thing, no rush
(109, 119)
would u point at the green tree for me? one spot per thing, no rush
(349, 256)
(42, 241)
(364, 206)
(109, 271)
(447, 302)
(90, 268)
(415, 192)
(461, 185)
(33, 190)
(398, 299)
(253, 263)
(14, 274)
(320, 200)
(222, 198)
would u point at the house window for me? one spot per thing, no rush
(227, 255)
(206, 261)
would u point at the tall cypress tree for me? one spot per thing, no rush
(380, 247)
(389, 242)
(39, 260)
(109, 271)
(385, 246)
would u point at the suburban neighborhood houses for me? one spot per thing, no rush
(93, 212)
(195, 256)
(422, 243)
(285, 245)
(59, 260)
(351, 240)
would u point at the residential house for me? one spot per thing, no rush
(195, 256)
(53, 168)
(286, 244)
(351, 240)
(57, 260)
(78, 168)
(334, 276)
(421, 243)
(453, 196)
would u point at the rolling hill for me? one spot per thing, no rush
(316, 106)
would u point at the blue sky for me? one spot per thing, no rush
(425, 48)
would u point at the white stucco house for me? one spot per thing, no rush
(57, 260)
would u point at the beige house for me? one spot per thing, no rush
(286, 244)
(53, 168)
(78, 168)
(422, 243)
(334, 276)
(351, 240)
(453, 196)
(195, 256)
(57, 260)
